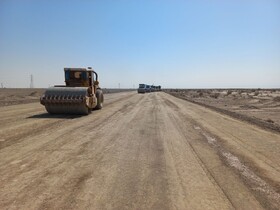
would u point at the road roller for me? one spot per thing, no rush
(80, 94)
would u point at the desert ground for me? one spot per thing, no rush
(12, 96)
(142, 151)
(258, 106)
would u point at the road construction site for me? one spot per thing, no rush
(141, 151)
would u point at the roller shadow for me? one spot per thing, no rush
(55, 116)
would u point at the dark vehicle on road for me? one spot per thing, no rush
(142, 88)
(148, 88)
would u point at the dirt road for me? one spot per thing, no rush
(151, 151)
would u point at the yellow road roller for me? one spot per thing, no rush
(80, 94)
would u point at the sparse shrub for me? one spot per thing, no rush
(215, 95)
(208, 92)
(200, 94)
(256, 93)
(270, 120)
(276, 99)
(194, 95)
(249, 96)
(229, 92)
(33, 93)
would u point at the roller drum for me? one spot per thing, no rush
(66, 100)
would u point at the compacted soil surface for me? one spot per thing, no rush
(258, 106)
(141, 151)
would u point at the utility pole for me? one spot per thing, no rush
(31, 81)
(119, 85)
(2, 86)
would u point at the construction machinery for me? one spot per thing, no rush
(80, 94)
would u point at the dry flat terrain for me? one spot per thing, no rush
(257, 106)
(11, 96)
(141, 151)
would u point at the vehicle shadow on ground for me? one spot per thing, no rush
(55, 116)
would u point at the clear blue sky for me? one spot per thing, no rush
(179, 44)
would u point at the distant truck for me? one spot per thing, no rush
(158, 88)
(142, 88)
(148, 88)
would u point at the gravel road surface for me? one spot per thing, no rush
(150, 151)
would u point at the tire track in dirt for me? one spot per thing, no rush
(18, 127)
(200, 172)
(263, 191)
(53, 148)
(176, 120)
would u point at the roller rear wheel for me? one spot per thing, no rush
(100, 99)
